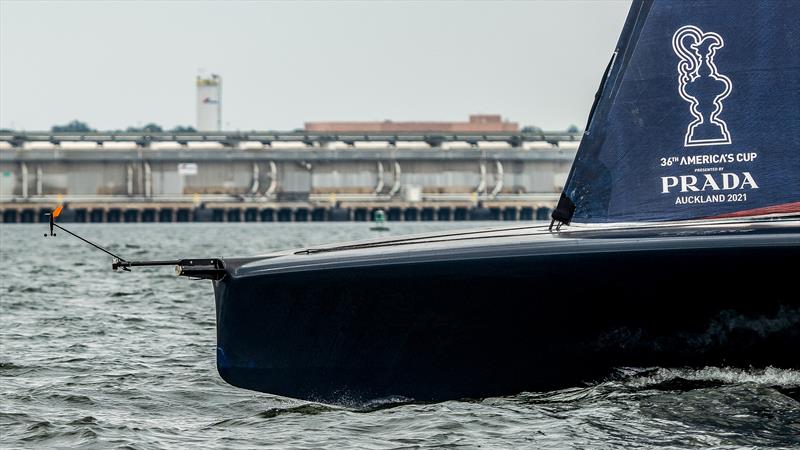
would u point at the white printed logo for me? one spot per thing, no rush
(700, 84)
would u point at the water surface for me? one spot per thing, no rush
(100, 359)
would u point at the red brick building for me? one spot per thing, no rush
(478, 123)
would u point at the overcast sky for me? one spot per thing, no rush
(119, 64)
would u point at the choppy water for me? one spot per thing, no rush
(93, 358)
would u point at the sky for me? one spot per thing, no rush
(128, 63)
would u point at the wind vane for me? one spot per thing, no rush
(56, 212)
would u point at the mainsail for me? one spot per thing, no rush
(697, 116)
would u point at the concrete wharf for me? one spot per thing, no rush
(287, 177)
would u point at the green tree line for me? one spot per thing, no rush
(76, 126)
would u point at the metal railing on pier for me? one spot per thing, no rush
(268, 138)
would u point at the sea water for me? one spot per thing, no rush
(94, 358)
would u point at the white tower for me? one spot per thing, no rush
(209, 103)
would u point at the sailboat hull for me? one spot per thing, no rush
(522, 316)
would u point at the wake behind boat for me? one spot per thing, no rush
(672, 244)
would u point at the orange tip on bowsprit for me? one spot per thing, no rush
(57, 211)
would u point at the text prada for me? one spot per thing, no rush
(725, 181)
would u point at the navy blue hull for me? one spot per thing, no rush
(472, 325)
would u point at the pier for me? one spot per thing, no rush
(281, 177)
(277, 212)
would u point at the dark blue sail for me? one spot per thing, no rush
(697, 116)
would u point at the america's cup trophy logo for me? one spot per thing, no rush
(701, 84)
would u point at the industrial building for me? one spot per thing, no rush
(478, 123)
(292, 176)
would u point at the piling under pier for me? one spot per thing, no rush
(167, 212)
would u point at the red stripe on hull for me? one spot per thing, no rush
(784, 208)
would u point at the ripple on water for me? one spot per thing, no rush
(100, 359)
